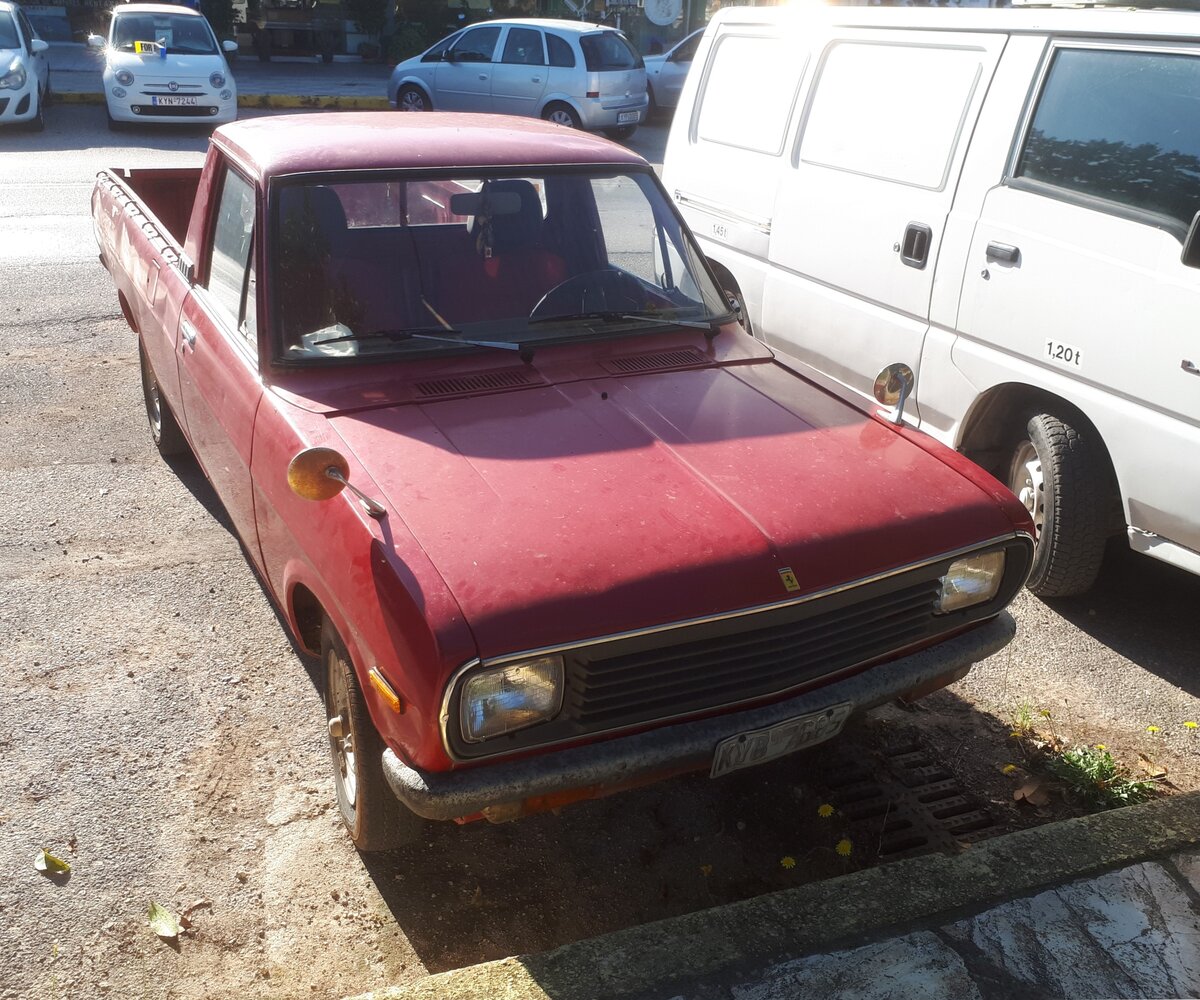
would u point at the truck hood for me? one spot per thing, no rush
(593, 507)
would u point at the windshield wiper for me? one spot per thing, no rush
(421, 333)
(610, 315)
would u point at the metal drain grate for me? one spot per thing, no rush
(905, 802)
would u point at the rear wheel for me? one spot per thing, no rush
(1060, 474)
(375, 819)
(410, 98)
(621, 132)
(562, 114)
(164, 429)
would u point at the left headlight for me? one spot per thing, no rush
(217, 79)
(970, 580)
(512, 697)
(14, 77)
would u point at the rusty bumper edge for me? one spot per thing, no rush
(627, 760)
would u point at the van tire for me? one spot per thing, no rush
(561, 114)
(1060, 474)
(410, 98)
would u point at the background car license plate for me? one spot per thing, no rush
(173, 102)
(762, 745)
(626, 117)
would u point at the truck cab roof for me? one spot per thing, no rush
(366, 140)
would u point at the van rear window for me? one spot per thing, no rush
(607, 50)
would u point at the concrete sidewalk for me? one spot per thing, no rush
(1103, 906)
(75, 78)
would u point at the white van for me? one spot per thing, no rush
(1004, 200)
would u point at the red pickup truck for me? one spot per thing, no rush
(499, 448)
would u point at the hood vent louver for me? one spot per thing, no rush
(684, 358)
(483, 382)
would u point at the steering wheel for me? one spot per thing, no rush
(608, 290)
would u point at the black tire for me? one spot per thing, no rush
(621, 132)
(164, 428)
(561, 114)
(375, 819)
(38, 122)
(1060, 473)
(411, 98)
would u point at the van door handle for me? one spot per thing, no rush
(1002, 251)
(1188, 367)
(189, 333)
(914, 251)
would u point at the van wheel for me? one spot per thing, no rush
(164, 429)
(1059, 473)
(375, 819)
(562, 114)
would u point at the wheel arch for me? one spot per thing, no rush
(127, 312)
(559, 99)
(418, 84)
(308, 616)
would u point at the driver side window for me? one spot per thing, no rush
(231, 277)
(476, 45)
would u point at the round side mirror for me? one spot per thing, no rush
(95, 42)
(318, 474)
(229, 45)
(893, 386)
(38, 45)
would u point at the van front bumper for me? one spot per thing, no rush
(596, 769)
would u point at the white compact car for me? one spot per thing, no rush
(163, 64)
(24, 70)
(570, 72)
(665, 73)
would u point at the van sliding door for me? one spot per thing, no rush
(859, 215)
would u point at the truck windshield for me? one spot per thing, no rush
(524, 260)
(183, 33)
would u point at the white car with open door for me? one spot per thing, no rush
(162, 63)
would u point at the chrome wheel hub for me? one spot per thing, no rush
(341, 734)
(1027, 482)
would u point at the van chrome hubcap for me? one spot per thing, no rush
(1027, 482)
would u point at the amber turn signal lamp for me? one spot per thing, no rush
(308, 473)
(385, 691)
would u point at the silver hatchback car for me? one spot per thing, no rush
(570, 72)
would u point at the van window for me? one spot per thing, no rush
(524, 46)
(893, 112)
(560, 51)
(608, 50)
(438, 51)
(1122, 126)
(477, 45)
(759, 124)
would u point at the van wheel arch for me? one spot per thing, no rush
(1071, 485)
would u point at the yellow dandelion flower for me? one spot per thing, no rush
(706, 870)
(844, 847)
(825, 810)
(787, 862)
(1009, 768)
(1153, 729)
(1189, 725)
(1101, 746)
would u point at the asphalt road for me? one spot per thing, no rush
(163, 735)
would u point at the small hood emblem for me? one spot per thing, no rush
(172, 86)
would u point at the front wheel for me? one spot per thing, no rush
(562, 114)
(410, 98)
(1058, 471)
(38, 122)
(374, 817)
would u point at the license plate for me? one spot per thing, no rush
(174, 102)
(627, 117)
(762, 745)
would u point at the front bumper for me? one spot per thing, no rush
(19, 105)
(628, 761)
(210, 109)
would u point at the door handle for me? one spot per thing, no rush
(189, 333)
(1188, 367)
(483, 76)
(1003, 251)
(914, 251)
(537, 79)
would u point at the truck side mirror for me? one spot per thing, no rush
(1191, 245)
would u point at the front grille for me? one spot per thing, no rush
(195, 111)
(708, 673)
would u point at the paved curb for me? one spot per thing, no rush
(708, 945)
(258, 101)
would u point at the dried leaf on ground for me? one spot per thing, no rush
(1032, 793)
(1153, 770)
(48, 863)
(163, 922)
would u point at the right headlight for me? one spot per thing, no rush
(124, 77)
(14, 77)
(505, 699)
(971, 580)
